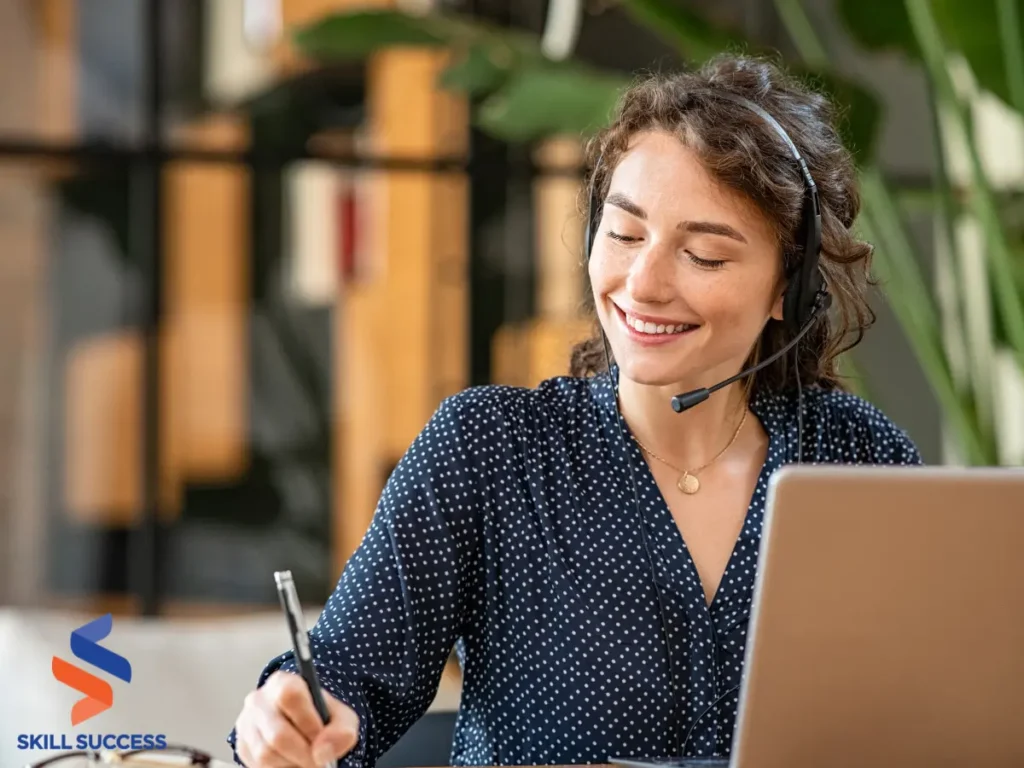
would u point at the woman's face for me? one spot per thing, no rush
(685, 272)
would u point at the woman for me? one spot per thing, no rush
(510, 529)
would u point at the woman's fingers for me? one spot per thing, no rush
(252, 748)
(283, 738)
(279, 726)
(266, 738)
(290, 695)
(339, 736)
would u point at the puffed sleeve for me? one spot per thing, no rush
(849, 429)
(381, 643)
(896, 447)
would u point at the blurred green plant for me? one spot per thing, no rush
(520, 95)
(965, 327)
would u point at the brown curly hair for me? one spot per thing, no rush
(744, 153)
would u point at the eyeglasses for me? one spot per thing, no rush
(171, 756)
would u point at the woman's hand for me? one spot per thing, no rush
(279, 727)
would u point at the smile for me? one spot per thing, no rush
(648, 331)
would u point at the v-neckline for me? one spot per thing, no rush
(661, 514)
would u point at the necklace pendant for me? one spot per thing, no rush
(688, 484)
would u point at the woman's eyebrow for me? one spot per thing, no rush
(712, 228)
(619, 200)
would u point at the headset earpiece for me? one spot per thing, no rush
(805, 281)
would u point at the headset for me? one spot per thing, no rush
(805, 301)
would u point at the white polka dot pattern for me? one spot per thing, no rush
(509, 531)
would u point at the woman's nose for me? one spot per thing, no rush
(651, 275)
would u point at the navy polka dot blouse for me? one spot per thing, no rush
(509, 532)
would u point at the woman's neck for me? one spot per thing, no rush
(688, 439)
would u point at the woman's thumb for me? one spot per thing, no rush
(339, 736)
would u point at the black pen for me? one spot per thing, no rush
(300, 642)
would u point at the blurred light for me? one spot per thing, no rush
(262, 23)
(419, 7)
(562, 28)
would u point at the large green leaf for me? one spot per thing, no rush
(477, 71)
(544, 100)
(1010, 17)
(357, 34)
(524, 96)
(879, 24)
(971, 27)
(693, 35)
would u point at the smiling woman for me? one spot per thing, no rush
(684, 170)
(676, 251)
(590, 553)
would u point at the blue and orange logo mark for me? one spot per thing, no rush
(85, 644)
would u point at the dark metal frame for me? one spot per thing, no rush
(148, 238)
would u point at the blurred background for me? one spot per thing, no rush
(247, 246)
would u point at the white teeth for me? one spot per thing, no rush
(652, 328)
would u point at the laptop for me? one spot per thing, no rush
(887, 626)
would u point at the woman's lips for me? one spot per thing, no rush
(665, 336)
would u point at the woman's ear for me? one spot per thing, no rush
(777, 313)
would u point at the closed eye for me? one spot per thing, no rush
(697, 260)
(621, 238)
(706, 263)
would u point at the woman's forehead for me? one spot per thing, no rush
(666, 179)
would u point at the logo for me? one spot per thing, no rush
(85, 645)
(98, 696)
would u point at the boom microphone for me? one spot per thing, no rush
(687, 400)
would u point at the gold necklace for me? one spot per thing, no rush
(688, 482)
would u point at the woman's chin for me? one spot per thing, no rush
(652, 374)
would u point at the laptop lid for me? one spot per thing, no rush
(888, 620)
